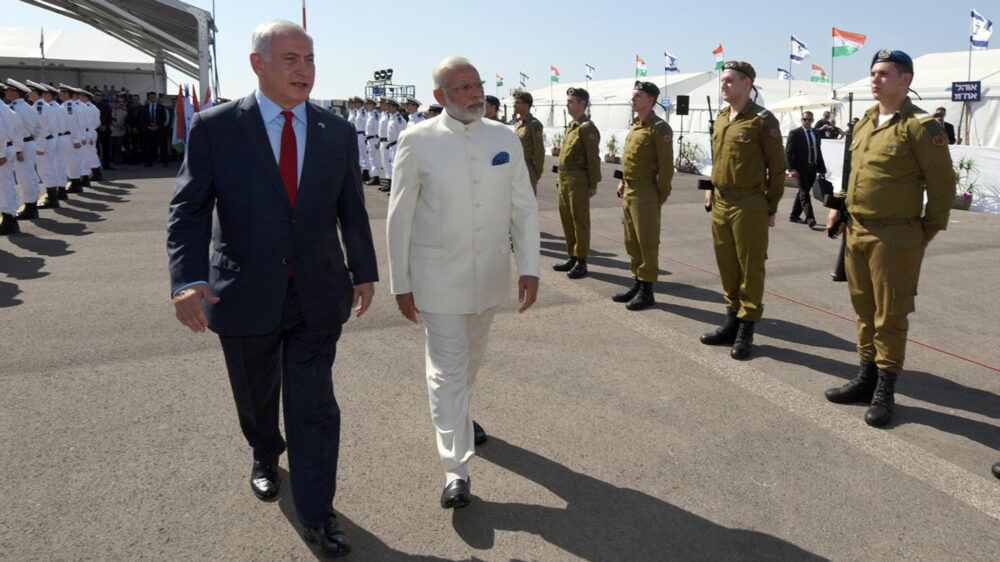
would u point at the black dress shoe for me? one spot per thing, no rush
(264, 480)
(457, 495)
(811, 223)
(996, 470)
(478, 433)
(794, 219)
(331, 539)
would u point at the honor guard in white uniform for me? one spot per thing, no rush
(48, 164)
(433, 110)
(360, 119)
(371, 141)
(92, 116)
(412, 105)
(64, 144)
(395, 126)
(383, 140)
(24, 167)
(14, 134)
(74, 157)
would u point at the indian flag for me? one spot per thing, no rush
(555, 73)
(499, 80)
(818, 75)
(640, 66)
(845, 42)
(179, 136)
(718, 57)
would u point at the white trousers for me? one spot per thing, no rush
(27, 179)
(8, 189)
(63, 146)
(74, 161)
(92, 159)
(47, 162)
(374, 159)
(362, 152)
(387, 160)
(454, 352)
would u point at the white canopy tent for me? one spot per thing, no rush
(77, 58)
(932, 78)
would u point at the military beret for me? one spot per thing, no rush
(885, 55)
(521, 95)
(741, 66)
(578, 93)
(492, 100)
(647, 87)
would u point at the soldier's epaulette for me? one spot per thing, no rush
(934, 129)
(661, 125)
(537, 124)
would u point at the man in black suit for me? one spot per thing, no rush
(153, 121)
(804, 159)
(939, 114)
(282, 177)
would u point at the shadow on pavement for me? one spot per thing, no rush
(18, 267)
(76, 214)
(61, 228)
(8, 295)
(86, 205)
(604, 522)
(91, 193)
(364, 545)
(43, 246)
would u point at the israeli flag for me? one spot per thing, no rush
(590, 71)
(524, 80)
(982, 28)
(670, 63)
(784, 74)
(799, 51)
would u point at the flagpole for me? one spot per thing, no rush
(304, 14)
(790, 69)
(834, 92)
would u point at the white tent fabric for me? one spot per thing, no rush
(77, 58)
(932, 78)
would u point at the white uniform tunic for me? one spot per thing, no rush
(14, 133)
(47, 142)
(383, 147)
(371, 139)
(64, 144)
(360, 118)
(395, 126)
(27, 178)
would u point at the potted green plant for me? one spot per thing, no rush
(556, 143)
(966, 180)
(689, 155)
(611, 156)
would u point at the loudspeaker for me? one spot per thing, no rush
(682, 105)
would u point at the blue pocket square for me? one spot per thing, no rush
(501, 158)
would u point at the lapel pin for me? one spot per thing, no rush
(322, 125)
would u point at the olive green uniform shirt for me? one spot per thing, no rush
(892, 164)
(529, 130)
(579, 151)
(649, 156)
(747, 153)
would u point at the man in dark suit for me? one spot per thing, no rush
(939, 114)
(804, 158)
(282, 176)
(153, 121)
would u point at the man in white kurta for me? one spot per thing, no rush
(460, 198)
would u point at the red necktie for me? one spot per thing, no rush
(288, 159)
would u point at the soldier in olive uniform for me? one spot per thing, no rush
(748, 174)
(579, 173)
(530, 131)
(648, 167)
(492, 108)
(898, 153)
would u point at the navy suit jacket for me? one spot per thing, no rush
(229, 167)
(797, 156)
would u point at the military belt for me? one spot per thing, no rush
(48, 137)
(361, 132)
(383, 139)
(10, 143)
(884, 222)
(370, 137)
(391, 144)
(29, 139)
(737, 193)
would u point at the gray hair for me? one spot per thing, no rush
(447, 64)
(260, 41)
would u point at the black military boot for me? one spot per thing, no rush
(629, 294)
(387, 187)
(85, 180)
(744, 341)
(96, 174)
(30, 211)
(365, 176)
(996, 470)
(579, 269)
(51, 200)
(8, 224)
(375, 180)
(566, 265)
(860, 389)
(879, 414)
(642, 299)
(75, 186)
(725, 334)
(61, 192)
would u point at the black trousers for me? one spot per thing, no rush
(803, 201)
(294, 364)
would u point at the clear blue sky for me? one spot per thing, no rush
(352, 39)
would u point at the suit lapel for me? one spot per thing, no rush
(312, 160)
(252, 123)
